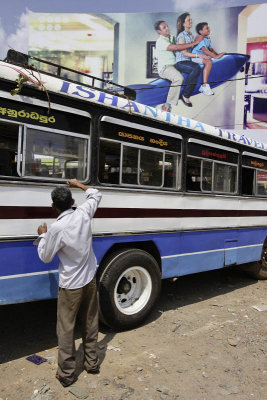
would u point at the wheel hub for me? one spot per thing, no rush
(124, 286)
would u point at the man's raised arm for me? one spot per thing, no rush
(184, 46)
(93, 197)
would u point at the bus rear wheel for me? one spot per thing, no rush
(128, 288)
(258, 270)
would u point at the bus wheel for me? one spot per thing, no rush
(128, 288)
(258, 269)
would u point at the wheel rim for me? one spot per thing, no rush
(132, 291)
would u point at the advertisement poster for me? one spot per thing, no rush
(121, 47)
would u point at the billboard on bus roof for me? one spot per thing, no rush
(121, 48)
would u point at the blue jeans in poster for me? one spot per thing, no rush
(192, 70)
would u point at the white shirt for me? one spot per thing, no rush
(70, 236)
(165, 57)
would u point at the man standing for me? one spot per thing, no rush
(70, 237)
(166, 48)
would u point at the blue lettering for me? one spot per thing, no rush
(200, 126)
(249, 141)
(231, 136)
(220, 133)
(151, 110)
(242, 139)
(90, 94)
(168, 115)
(103, 97)
(257, 144)
(65, 87)
(132, 104)
(183, 121)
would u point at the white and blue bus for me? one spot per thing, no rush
(179, 196)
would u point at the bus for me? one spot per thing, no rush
(179, 196)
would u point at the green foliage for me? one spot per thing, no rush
(20, 81)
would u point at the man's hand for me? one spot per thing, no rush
(76, 184)
(42, 229)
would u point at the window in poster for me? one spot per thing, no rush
(151, 60)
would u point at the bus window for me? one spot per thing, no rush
(211, 168)
(261, 182)
(206, 180)
(53, 155)
(171, 171)
(130, 165)
(151, 163)
(8, 149)
(254, 174)
(193, 174)
(225, 178)
(120, 163)
(109, 162)
(248, 178)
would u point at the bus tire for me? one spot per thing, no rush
(258, 269)
(128, 288)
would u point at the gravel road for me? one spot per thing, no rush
(203, 341)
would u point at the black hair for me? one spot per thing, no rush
(200, 26)
(62, 198)
(180, 22)
(157, 25)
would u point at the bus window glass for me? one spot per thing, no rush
(54, 155)
(129, 165)
(261, 182)
(193, 174)
(248, 175)
(206, 175)
(8, 149)
(225, 178)
(109, 162)
(151, 164)
(171, 164)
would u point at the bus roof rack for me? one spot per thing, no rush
(23, 60)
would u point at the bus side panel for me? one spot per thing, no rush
(184, 253)
(207, 250)
(23, 276)
(29, 288)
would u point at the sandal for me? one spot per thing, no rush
(65, 383)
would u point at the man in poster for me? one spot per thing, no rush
(166, 48)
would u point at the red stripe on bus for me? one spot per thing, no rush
(20, 212)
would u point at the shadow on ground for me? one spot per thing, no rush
(30, 328)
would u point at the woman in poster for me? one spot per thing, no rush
(183, 58)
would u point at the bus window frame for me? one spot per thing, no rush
(20, 133)
(138, 185)
(88, 138)
(255, 182)
(215, 146)
(213, 173)
(260, 157)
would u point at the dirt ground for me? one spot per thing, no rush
(203, 341)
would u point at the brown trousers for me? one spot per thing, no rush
(73, 303)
